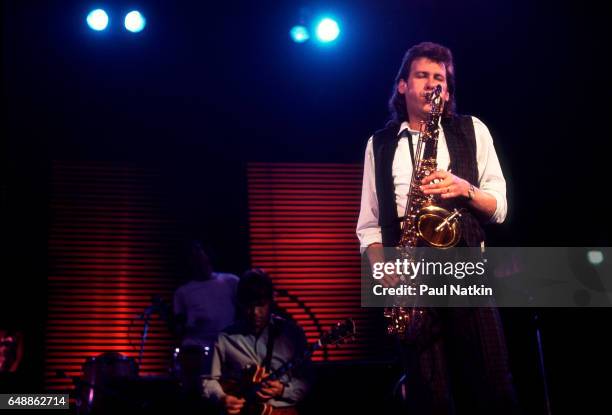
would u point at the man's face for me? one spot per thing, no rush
(424, 76)
(258, 315)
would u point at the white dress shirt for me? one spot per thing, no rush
(490, 179)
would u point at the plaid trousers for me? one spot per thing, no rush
(464, 368)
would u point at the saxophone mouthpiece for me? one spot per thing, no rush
(429, 96)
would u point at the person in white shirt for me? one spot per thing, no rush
(465, 369)
(203, 306)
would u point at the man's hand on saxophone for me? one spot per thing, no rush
(448, 186)
(375, 253)
(390, 280)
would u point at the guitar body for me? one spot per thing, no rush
(250, 378)
(253, 376)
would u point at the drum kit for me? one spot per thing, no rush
(110, 381)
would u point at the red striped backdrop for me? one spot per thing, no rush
(108, 254)
(110, 245)
(302, 227)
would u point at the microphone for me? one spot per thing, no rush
(158, 306)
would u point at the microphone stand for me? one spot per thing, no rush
(146, 315)
(536, 319)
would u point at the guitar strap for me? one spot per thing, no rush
(272, 333)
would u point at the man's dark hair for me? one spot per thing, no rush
(255, 287)
(436, 53)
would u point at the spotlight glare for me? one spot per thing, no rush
(595, 257)
(299, 34)
(327, 30)
(135, 21)
(97, 19)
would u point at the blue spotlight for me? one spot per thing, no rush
(299, 34)
(135, 21)
(327, 30)
(97, 19)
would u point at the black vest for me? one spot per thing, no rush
(461, 142)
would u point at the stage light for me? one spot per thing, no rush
(299, 34)
(97, 20)
(135, 21)
(327, 30)
(595, 257)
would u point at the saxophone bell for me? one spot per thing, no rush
(437, 227)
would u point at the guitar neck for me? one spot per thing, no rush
(295, 362)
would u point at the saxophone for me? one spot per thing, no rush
(424, 223)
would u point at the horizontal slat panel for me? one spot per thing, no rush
(302, 231)
(109, 253)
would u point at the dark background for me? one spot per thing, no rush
(208, 87)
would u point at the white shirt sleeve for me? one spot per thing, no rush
(490, 177)
(368, 230)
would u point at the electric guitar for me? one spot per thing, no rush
(254, 376)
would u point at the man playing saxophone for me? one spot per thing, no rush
(469, 180)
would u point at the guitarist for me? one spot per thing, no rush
(257, 338)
